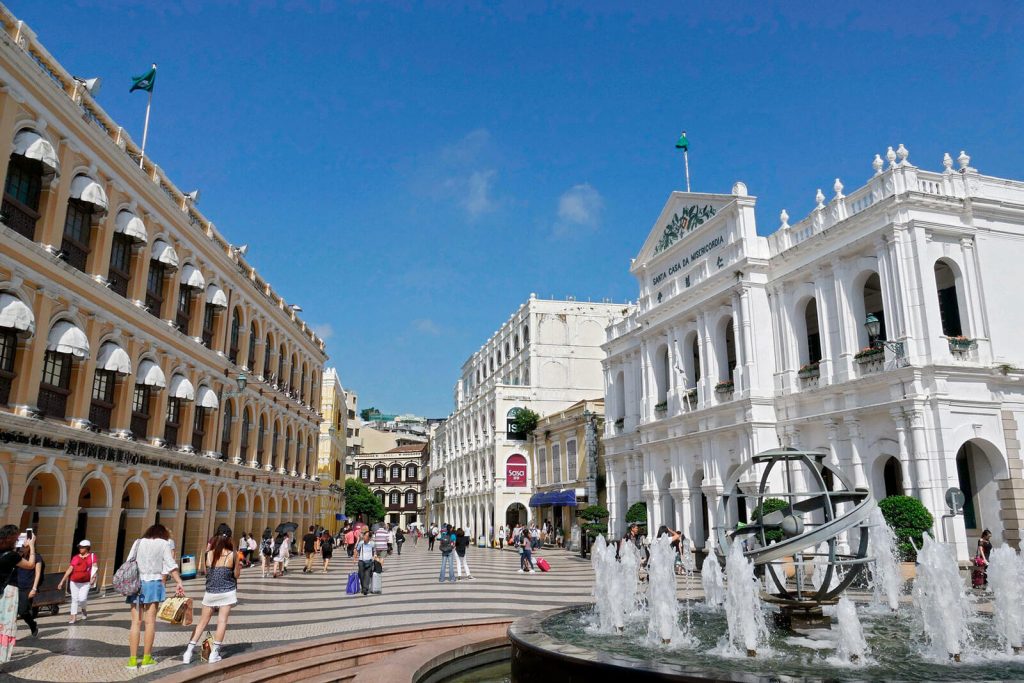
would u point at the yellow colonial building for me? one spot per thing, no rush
(332, 451)
(147, 372)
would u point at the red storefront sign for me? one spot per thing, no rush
(515, 471)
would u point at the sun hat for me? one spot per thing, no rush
(84, 542)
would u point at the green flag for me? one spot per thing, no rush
(145, 81)
(682, 143)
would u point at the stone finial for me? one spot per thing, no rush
(739, 189)
(877, 164)
(964, 160)
(838, 187)
(902, 152)
(891, 156)
(947, 162)
(820, 198)
(784, 219)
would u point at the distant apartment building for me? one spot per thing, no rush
(396, 477)
(546, 357)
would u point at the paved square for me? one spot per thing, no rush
(299, 607)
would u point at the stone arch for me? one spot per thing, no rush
(807, 321)
(44, 497)
(662, 378)
(952, 297)
(980, 466)
(725, 347)
(867, 297)
(97, 485)
(553, 374)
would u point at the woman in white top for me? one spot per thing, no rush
(153, 556)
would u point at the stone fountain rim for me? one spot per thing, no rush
(526, 633)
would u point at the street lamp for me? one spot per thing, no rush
(874, 329)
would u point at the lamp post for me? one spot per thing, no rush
(874, 329)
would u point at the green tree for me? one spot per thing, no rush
(768, 506)
(594, 526)
(637, 512)
(909, 519)
(359, 500)
(524, 421)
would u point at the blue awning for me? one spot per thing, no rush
(565, 497)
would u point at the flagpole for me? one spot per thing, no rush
(145, 132)
(686, 158)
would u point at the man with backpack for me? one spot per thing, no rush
(446, 544)
(266, 552)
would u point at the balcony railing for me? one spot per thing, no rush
(74, 255)
(139, 426)
(53, 402)
(6, 380)
(99, 414)
(170, 435)
(19, 219)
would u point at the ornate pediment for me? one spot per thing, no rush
(683, 222)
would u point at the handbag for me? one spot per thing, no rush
(378, 568)
(353, 583)
(175, 610)
(126, 579)
(206, 647)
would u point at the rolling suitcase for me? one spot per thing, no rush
(375, 583)
(543, 565)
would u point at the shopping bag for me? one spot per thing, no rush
(173, 610)
(353, 583)
(206, 647)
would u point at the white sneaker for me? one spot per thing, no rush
(187, 657)
(522, 571)
(214, 657)
(533, 571)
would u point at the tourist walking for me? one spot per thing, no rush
(350, 541)
(364, 561)
(223, 570)
(28, 581)
(309, 549)
(399, 539)
(446, 544)
(11, 559)
(267, 552)
(984, 555)
(326, 548)
(501, 537)
(282, 549)
(431, 536)
(391, 539)
(380, 541)
(152, 555)
(525, 555)
(253, 548)
(462, 541)
(81, 573)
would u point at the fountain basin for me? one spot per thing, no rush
(561, 645)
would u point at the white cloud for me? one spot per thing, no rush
(579, 207)
(325, 331)
(426, 326)
(465, 172)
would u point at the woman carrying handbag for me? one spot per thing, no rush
(11, 560)
(221, 594)
(155, 561)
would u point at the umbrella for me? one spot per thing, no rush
(285, 527)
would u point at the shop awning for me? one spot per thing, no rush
(67, 337)
(565, 497)
(113, 358)
(16, 315)
(191, 277)
(89, 191)
(129, 224)
(207, 398)
(182, 388)
(32, 145)
(215, 296)
(150, 375)
(164, 253)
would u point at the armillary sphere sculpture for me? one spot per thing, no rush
(822, 506)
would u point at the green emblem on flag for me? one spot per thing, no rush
(682, 143)
(145, 81)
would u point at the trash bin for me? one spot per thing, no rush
(188, 566)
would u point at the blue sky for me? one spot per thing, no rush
(409, 172)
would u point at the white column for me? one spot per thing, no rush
(972, 290)
(828, 353)
(740, 330)
(848, 336)
(853, 428)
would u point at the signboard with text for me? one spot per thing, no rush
(515, 471)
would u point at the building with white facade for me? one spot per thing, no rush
(741, 343)
(545, 357)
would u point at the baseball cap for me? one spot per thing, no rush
(84, 542)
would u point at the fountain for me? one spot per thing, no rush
(885, 569)
(1005, 576)
(747, 629)
(940, 598)
(816, 630)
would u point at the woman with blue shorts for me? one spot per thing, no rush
(153, 556)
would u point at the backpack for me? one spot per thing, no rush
(267, 547)
(446, 543)
(126, 579)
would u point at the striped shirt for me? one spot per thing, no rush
(380, 540)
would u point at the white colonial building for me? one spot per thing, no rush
(741, 343)
(546, 357)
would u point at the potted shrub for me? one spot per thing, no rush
(960, 343)
(809, 370)
(868, 354)
(725, 386)
(661, 407)
(637, 512)
(593, 527)
(691, 395)
(620, 422)
(909, 520)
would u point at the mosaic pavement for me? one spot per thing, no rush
(299, 607)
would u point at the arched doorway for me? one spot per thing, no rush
(129, 527)
(42, 500)
(515, 513)
(979, 466)
(167, 508)
(241, 516)
(259, 518)
(92, 497)
(222, 514)
(190, 534)
(892, 477)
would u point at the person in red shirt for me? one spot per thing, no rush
(81, 572)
